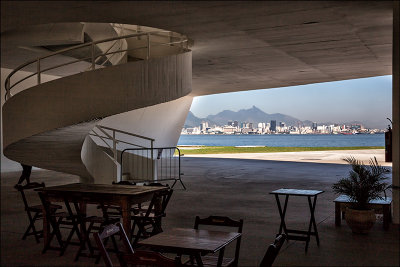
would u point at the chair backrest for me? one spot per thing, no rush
(149, 258)
(273, 251)
(165, 196)
(108, 231)
(22, 188)
(226, 222)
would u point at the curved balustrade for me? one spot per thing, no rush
(93, 57)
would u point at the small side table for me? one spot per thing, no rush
(298, 234)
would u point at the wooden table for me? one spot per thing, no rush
(298, 234)
(122, 195)
(380, 206)
(191, 242)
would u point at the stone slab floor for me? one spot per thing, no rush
(237, 188)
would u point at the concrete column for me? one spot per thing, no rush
(396, 112)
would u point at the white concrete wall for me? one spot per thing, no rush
(6, 164)
(162, 122)
(100, 93)
(101, 31)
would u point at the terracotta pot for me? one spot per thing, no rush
(360, 221)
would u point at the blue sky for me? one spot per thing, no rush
(368, 100)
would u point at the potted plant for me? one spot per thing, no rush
(364, 183)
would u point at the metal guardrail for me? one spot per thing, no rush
(152, 164)
(93, 56)
(105, 136)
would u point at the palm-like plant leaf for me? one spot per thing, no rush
(364, 183)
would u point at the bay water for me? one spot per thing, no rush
(285, 140)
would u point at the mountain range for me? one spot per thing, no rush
(253, 115)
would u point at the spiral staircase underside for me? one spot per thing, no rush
(57, 150)
(46, 125)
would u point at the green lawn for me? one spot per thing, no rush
(231, 149)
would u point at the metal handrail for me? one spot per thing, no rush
(124, 132)
(116, 141)
(93, 57)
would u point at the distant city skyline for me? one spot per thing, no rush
(368, 100)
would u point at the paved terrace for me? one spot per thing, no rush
(237, 188)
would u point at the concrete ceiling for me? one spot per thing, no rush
(247, 45)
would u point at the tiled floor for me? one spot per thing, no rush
(237, 188)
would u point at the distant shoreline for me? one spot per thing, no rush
(201, 149)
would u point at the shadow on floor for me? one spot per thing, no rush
(238, 189)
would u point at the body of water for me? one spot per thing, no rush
(285, 140)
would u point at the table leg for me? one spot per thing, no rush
(46, 227)
(282, 213)
(47, 221)
(220, 257)
(386, 216)
(198, 259)
(82, 213)
(337, 214)
(312, 222)
(126, 216)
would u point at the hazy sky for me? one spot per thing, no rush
(367, 99)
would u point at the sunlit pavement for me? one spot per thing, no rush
(332, 156)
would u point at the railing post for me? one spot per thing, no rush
(93, 61)
(152, 159)
(115, 155)
(148, 46)
(38, 71)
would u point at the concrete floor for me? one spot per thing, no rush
(237, 188)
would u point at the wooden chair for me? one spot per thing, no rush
(114, 211)
(109, 232)
(149, 258)
(128, 257)
(273, 251)
(149, 220)
(58, 220)
(225, 222)
(34, 212)
(96, 223)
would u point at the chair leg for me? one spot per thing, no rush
(56, 232)
(141, 231)
(32, 227)
(36, 233)
(75, 229)
(83, 242)
(132, 231)
(105, 244)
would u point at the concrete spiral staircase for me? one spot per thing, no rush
(46, 125)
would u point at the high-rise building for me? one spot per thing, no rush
(235, 124)
(204, 125)
(273, 126)
(314, 126)
(230, 123)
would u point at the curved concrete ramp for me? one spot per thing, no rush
(43, 124)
